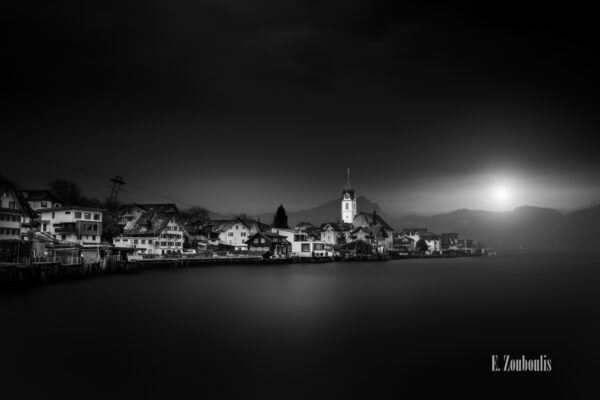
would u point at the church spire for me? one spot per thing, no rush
(348, 186)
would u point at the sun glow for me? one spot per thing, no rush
(501, 194)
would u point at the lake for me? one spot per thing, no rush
(368, 329)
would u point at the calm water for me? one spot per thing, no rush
(375, 330)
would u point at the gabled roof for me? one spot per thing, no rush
(8, 185)
(223, 225)
(153, 221)
(267, 236)
(38, 195)
(337, 226)
(373, 220)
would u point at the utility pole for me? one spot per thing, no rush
(117, 182)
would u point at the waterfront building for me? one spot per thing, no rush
(434, 243)
(334, 233)
(449, 241)
(236, 232)
(303, 244)
(273, 243)
(403, 243)
(74, 224)
(151, 229)
(414, 233)
(14, 211)
(381, 232)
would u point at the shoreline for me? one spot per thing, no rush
(14, 276)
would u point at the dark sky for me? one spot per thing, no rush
(243, 105)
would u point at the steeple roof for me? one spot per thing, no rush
(348, 187)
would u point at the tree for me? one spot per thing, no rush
(280, 220)
(66, 191)
(422, 246)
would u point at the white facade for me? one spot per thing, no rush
(434, 244)
(236, 235)
(301, 245)
(329, 236)
(170, 239)
(349, 209)
(73, 224)
(42, 204)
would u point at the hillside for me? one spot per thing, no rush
(524, 229)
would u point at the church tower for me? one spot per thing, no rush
(348, 202)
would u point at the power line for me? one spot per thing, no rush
(105, 178)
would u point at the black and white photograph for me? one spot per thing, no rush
(298, 199)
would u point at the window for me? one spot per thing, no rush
(230, 234)
(67, 212)
(88, 216)
(52, 214)
(143, 242)
(319, 246)
(243, 233)
(347, 206)
(97, 217)
(256, 240)
(117, 240)
(1, 217)
(163, 243)
(44, 204)
(11, 204)
(64, 237)
(77, 214)
(135, 241)
(171, 244)
(262, 240)
(305, 247)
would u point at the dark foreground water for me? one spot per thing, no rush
(339, 330)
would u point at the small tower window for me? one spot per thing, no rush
(347, 206)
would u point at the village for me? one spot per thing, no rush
(39, 230)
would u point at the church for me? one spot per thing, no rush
(357, 225)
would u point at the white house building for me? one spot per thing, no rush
(151, 229)
(82, 225)
(236, 232)
(14, 211)
(302, 245)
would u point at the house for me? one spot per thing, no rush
(414, 233)
(41, 199)
(74, 224)
(14, 211)
(152, 229)
(434, 243)
(235, 232)
(269, 242)
(303, 244)
(335, 233)
(449, 241)
(381, 231)
(403, 243)
(361, 233)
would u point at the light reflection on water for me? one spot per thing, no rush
(322, 330)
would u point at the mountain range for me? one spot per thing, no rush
(524, 229)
